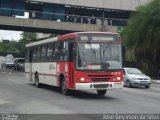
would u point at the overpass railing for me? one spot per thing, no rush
(26, 14)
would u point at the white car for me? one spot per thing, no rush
(133, 77)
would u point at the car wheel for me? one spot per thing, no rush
(37, 81)
(17, 69)
(101, 92)
(147, 87)
(64, 89)
(128, 84)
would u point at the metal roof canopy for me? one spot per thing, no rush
(110, 4)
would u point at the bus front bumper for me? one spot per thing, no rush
(99, 86)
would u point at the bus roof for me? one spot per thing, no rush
(42, 42)
(66, 36)
(71, 35)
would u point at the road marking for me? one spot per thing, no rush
(4, 72)
(10, 73)
(35, 118)
(158, 81)
(14, 81)
(3, 102)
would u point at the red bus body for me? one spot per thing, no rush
(84, 79)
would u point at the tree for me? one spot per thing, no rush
(26, 37)
(142, 37)
(8, 47)
(29, 37)
(18, 48)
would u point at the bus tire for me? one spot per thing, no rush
(37, 80)
(64, 89)
(101, 92)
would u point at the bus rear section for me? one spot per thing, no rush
(85, 61)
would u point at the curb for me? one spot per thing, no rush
(155, 81)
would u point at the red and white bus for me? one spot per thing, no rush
(77, 61)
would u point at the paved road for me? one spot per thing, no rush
(18, 95)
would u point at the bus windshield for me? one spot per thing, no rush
(98, 56)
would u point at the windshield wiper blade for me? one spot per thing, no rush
(92, 49)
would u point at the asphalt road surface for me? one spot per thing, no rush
(18, 95)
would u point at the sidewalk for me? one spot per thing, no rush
(156, 81)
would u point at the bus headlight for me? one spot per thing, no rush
(118, 78)
(82, 79)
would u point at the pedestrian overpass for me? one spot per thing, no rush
(59, 16)
(49, 25)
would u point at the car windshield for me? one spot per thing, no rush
(9, 60)
(98, 56)
(133, 71)
(21, 60)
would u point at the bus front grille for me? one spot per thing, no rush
(100, 77)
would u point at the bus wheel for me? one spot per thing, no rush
(101, 92)
(37, 80)
(64, 89)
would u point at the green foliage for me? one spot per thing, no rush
(18, 48)
(27, 37)
(142, 37)
(8, 47)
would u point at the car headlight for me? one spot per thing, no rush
(133, 78)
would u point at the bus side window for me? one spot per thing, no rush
(49, 52)
(44, 51)
(57, 50)
(64, 51)
(34, 54)
(30, 56)
(54, 52)
(38, 54)
(62, 48)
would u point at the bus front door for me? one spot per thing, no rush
(30, 65)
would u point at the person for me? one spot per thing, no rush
(71, 18)
(85, 20)
(78, 20)
(93, 20)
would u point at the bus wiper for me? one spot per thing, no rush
(92, 49)
(106, 47)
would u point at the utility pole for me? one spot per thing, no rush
(102, 21)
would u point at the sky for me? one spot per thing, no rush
(10, 35)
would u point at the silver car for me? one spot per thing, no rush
(133, 77)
